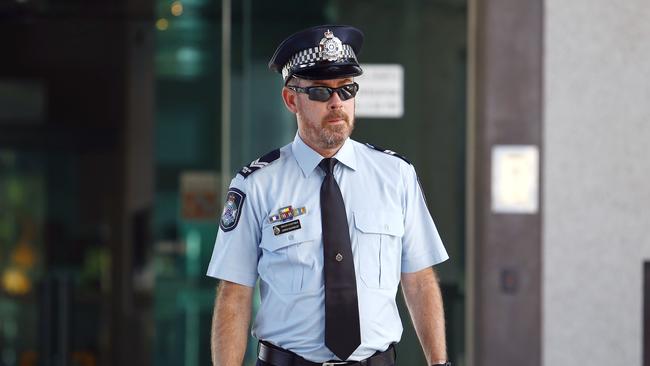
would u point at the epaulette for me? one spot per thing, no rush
(260, 163)
(386, 151)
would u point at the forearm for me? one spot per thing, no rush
(230, 323)
(424, 301)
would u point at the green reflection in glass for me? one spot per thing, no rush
(15, 191)
(193, 252)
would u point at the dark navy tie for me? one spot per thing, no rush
(342, 332)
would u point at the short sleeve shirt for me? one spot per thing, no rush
(391, 232)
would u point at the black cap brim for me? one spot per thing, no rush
(329, 72)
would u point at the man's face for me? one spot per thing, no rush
(324, 125)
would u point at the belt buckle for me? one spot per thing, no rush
(335, 363)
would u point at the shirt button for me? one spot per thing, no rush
(386, 226)
(290, 237)
(339, 257)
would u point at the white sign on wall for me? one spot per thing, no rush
(515, 179)
(381, 91)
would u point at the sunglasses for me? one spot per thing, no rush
(324, 93)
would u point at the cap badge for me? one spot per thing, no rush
(331, 48)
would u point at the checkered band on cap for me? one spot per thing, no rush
(310, 56)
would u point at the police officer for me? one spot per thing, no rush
(329, 226)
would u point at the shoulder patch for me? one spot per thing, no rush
(232, 209)
(386, 151)
(260, 163)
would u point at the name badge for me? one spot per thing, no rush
(286, 227)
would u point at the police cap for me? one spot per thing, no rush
(319, 53)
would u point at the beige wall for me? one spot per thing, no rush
(596, 172)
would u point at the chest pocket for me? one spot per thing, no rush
(379, 238)
(290, 262)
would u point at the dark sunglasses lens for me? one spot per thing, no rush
(347, 91)
(320, 93)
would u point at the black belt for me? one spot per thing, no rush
(279, 357)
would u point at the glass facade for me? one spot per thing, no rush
(55, 261)
(22, 202)
(89, 278)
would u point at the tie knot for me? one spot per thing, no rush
(327, 165)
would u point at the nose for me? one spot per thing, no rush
(335, 101)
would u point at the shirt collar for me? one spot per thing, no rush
(308, 159)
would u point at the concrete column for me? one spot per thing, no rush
(505, 108)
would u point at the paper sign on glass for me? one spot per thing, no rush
(381, 91)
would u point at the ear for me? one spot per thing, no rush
(290, 99)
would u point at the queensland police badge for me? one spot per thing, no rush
(232, 209)
(331, 48)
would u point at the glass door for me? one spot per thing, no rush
(425, 39)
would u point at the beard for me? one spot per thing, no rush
(333, 135)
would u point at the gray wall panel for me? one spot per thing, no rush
(597, 174)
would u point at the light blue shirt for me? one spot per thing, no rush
(390, 228)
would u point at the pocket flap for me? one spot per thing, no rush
(307, 232)
(376, 222)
